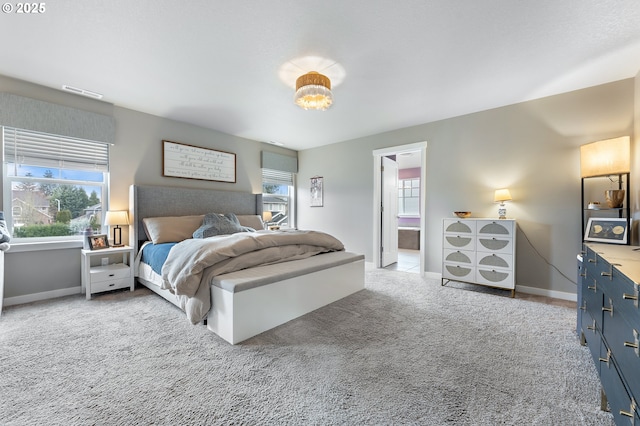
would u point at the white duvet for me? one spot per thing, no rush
(187, 261)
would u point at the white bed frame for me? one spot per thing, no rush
(238, 316)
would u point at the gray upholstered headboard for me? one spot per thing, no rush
(158, 201)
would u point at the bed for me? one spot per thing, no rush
(235, 304)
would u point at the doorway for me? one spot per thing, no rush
(419, 151)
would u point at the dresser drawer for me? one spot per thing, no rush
(592, 336)
(493, 260)
(494, 244)
(617, 393)
(109, 272)
(593, 298)
(502, 278)
(461, 257)
(621, 338)
(458, 273)
(459, 227)
(595, 265)
(625, 295)
(497, 228)
(459, 242)
(97, 287)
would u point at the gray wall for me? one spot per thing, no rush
(135, 158)
(532, 148)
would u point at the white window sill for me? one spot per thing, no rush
(40, 246)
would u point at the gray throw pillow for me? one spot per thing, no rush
(218, 224)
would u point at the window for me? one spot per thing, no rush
(409, 196)
(54, 186)
(277, 197)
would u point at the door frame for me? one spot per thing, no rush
(377, 197)
(389, 215)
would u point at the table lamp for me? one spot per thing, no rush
(500, 196)
(266, 218)
(117, 218)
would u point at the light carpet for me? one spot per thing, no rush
(403, 351)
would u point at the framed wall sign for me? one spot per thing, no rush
(316, 191)
(193, 162)
(607, 230)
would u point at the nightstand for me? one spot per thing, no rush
(104, 270)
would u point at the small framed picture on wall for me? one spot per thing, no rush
(316, 191)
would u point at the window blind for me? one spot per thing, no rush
(276, 177)
(46, 150)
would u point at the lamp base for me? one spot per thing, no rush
(117, 237)
(502, 212)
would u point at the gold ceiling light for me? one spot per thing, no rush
(313, 91)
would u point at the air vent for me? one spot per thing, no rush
(82, 92)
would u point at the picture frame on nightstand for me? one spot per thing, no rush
(98, 242)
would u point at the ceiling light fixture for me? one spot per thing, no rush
(313, 91)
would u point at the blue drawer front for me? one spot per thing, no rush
(592, 337)
(617, 332)
(624, 294)
(617, 394)
(593, 297)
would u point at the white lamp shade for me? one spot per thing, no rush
(116, 217)
(266, 216)
(502, 195)
(606, 157)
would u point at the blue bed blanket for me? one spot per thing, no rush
(155, 255)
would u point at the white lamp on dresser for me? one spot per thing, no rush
(500, 196)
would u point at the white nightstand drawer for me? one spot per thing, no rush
(97, 287)
(111, 272)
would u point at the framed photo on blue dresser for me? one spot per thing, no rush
(607, 230)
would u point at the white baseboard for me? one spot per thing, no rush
(35, 297)
(433, 275)
(572, 297)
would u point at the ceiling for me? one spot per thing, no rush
(230, 65)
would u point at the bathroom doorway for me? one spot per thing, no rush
(409, 225)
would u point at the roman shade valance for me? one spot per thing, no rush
(282, 163)
(26, 113)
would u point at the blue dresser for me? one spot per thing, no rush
(609, 323)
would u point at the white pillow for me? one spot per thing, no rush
(171, 229)
(251, 220)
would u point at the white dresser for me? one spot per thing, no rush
(479, 251)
